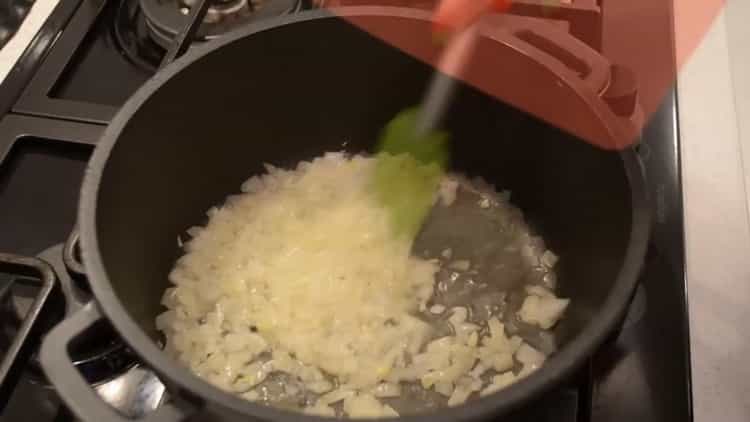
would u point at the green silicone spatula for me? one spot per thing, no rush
(412, 152)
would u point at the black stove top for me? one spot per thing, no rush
(89, 57)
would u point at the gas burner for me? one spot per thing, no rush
(165, 18)
(133, 36)
(101, 355)
(31, 295)
(135, 393)
(223, 10)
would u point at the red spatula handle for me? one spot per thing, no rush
(453, 15)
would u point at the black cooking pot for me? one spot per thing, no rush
(291, 89)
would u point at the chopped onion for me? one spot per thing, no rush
(367, 406)
(529, 356)
(543, 311)
(448, 190)
(272, 299)
(549, 259)
(386, 389)
(460, 265)
(498, 383)
(437, 309)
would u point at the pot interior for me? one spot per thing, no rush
(296, 91)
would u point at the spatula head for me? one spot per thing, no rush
(401, 136)
(408, 171)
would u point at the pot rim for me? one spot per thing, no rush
(555, 370)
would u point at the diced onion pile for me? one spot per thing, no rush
(301, 278)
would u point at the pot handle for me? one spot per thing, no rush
(70, 384)
(615, 86)
(563, 53)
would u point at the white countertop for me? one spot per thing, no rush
(15, 47)
(714, 107)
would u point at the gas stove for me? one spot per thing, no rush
(91, 55)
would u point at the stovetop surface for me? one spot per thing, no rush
(54, 110)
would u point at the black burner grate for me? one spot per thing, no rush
(24, 335)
